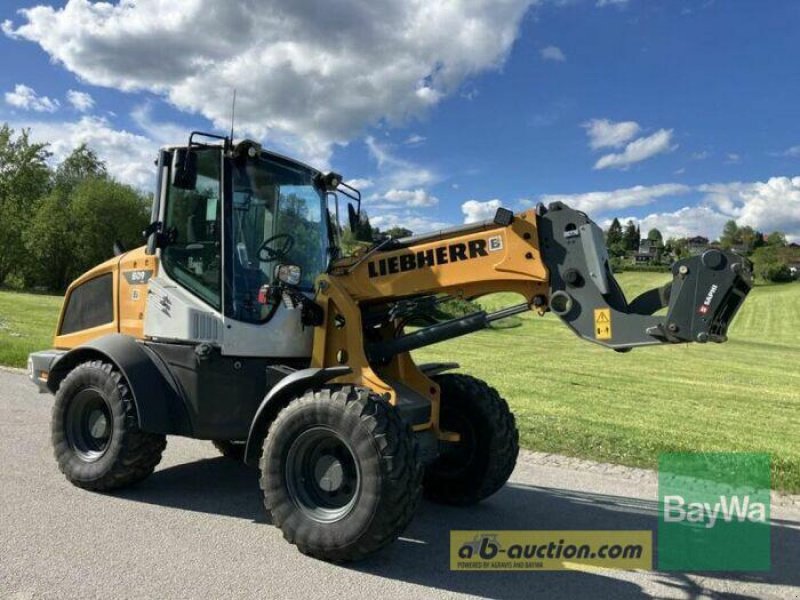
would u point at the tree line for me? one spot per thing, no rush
(57, 221)
(770, 253)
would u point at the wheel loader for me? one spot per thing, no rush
(240, 321)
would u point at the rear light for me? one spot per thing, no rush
(264, 294)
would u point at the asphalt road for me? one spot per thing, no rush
(197, 529)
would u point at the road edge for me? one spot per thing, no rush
(560, 461)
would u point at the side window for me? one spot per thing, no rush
(91, 304)
(194, 259)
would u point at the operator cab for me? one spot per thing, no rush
(234, 228)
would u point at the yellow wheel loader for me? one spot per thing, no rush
(240, 322)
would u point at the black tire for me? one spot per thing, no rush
(230, 449)
(95, 432)
(371, 495)
(480, 464)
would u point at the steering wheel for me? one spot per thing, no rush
(268, 253)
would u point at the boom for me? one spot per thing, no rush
(554, 257)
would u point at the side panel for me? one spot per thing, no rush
(136, 269)
(222, 393)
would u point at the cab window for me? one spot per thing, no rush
(193, 216)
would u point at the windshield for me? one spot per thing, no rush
(278, 216)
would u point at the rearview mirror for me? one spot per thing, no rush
(352, 217)
(184, 169)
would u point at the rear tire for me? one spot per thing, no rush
(340, 473)
(230, 449)
(95, 432)
(480, 464)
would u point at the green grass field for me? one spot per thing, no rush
(27, 323)
(575, 398)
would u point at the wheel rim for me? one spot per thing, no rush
(322, 475)
(89, 425)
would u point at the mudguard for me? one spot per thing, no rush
(293, 385)
(159, 402)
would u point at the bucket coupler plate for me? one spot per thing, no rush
(705, 293)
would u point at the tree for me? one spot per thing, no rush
(106, 211)
(82, 163)
(363, 231)
(614, 233)
(747, 237)
(678, 246)
(758, 240)
(730, 235)
(615, 240)
(631, 236)
(49, 244)
(398, 232)
(654, 235)
(770, 262)
(24, 180)
(776, 239)
(72, 231)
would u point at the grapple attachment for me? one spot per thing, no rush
(705, 293)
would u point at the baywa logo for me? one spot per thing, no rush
(714, 512)
(728, 508)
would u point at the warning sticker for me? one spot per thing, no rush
(602, 323)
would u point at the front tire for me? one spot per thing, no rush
(95, 433)
(339, 473)
(482, 461)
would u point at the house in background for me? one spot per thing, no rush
(697, 245)
(649, 251)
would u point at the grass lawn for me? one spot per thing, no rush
(575, 398)
(27, 323)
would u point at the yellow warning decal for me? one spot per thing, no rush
(602, 323)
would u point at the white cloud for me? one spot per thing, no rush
(128, 156)
(684, 222)
(26, 98)
(704, 154)
(80, 101)
(553, 53)
(415, 222)
(638, 150)
(772, 205)
(166, 134)
(399, 173)
(600, 202)
(415, 139)
(303, 82)
(608, 134)
(732, 158)
(412, 198)
(360, 183)
(476, 211)
(602, 3)
(794, 152)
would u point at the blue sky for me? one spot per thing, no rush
(680, 114)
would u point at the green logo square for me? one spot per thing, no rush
(714, 512)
